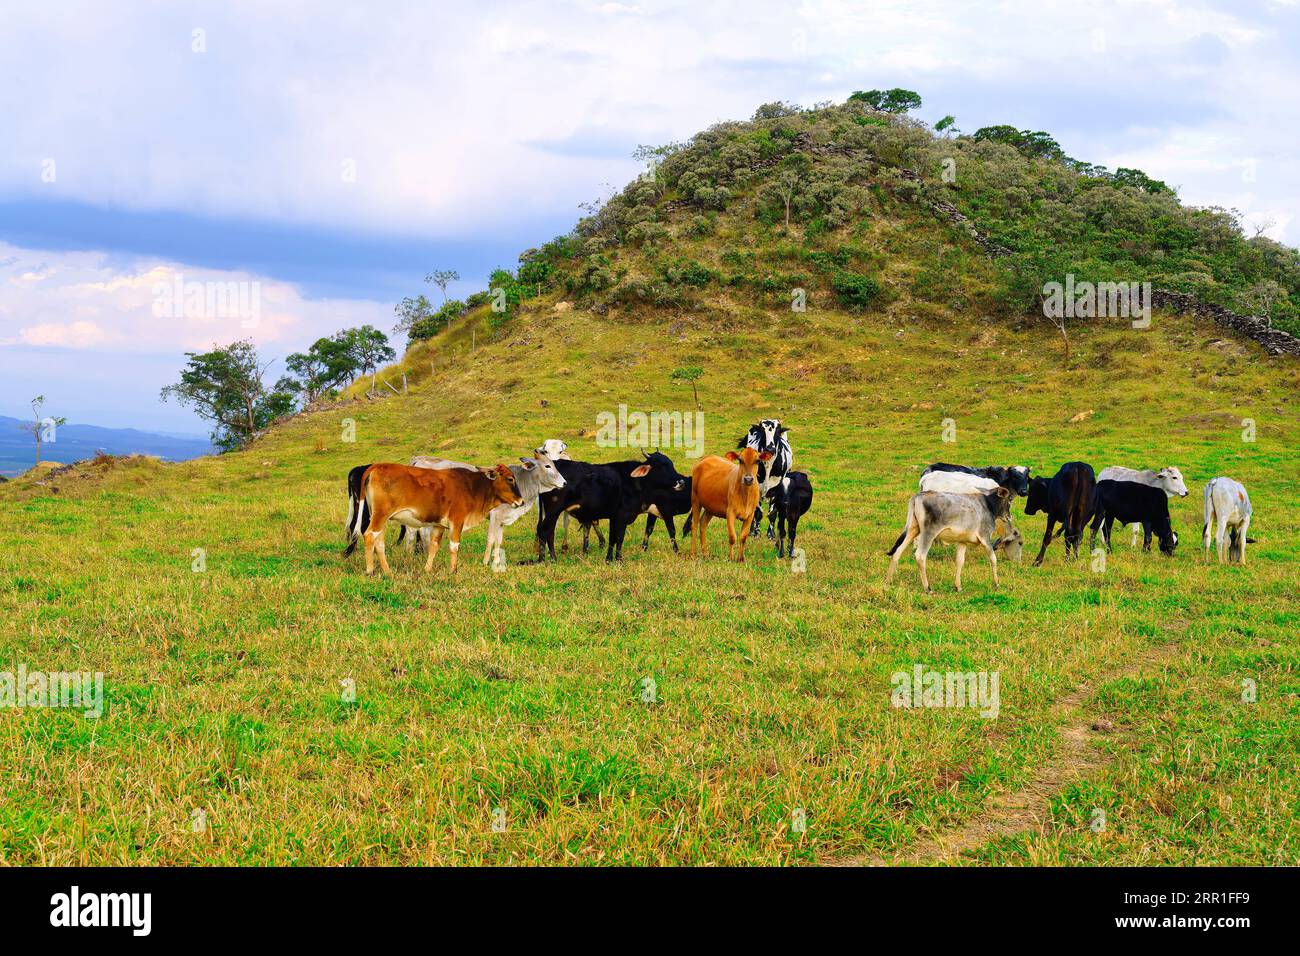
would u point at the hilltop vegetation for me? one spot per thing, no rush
(830, 199)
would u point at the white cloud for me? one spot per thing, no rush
(87, 301)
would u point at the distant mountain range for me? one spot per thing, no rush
(75, 442)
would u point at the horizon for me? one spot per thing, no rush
(332, 184)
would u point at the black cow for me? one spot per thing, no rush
(1014, 478)
(617, 492)
(1067, 498)
(1131, 502)
(768, 435)
(666, 505)
(789, 501)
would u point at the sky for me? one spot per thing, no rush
(322, 158)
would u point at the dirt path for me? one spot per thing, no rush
(1028, 808)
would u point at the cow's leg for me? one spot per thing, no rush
(369, 540)
(923, 543)
(744, 536)
(993, 560)
(1097, 520)
(771, 518)
(1241, 553)
(435, 543)
(672, 531)
(649, 526)
(756, 524)
(701, 519)
(794, 527)
(731, 535)
(961, 559)
(1223, 540)
(375, 547)
(1047, 537)
(614, 548)
(454, 546)
(1146, 535)
(909, 533)
(1105, 532)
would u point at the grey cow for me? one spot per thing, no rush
(533, 476)
(963, 520)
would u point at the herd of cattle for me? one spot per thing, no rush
(956, 504)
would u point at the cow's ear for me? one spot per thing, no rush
(640, 471)
(491, 474)
(732, 456)
(528, 465)
(1003, 493)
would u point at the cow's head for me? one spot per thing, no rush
(747, 461)
(1168, 543)
(1036, 500)
(554, 449)
(1171, 480)
(1017, 480)
(764, 436)
(548, 477)
(1010, 544)
(658, 474)
(503, 484)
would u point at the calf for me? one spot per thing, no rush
(727, 488)
(617, 492)
(1131, 501)
(1067, 499)
(790, 501)
(1227, 519)
(556, 449)
(962, 519)
(769, 436)
(444, 499)
(952, 482)
(666, 505)
(1014, 478)
(1169, 479)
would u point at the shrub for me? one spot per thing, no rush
(854, 289)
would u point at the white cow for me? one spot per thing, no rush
(1168, 479)
(1227, 514)
(957, 483)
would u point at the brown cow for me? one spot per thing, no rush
(452, 498)
(726, 488)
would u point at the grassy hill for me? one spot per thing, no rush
(1121, 690)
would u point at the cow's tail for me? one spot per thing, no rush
(1209, 513)
(358, 509)
(897, 544)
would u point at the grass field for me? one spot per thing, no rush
(228, 688)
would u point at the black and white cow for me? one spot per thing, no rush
(768, 435)
(1014, 478)
(1132, 502)
(790, 500)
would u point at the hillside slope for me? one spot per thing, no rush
(259, 682)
